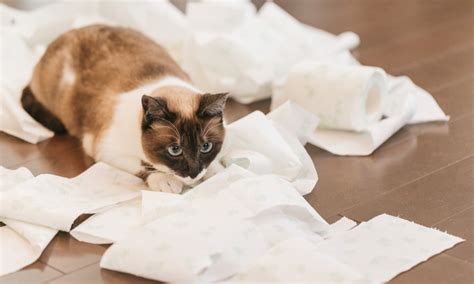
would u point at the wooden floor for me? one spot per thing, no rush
(424, 173)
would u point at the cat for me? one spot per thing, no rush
(130, 104)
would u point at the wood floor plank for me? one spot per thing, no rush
(422, 48)
(441, 72)
(66, 254)
(14, 151)
(399, 18)
(62, 149)
(69, 165)
(439, 269)
(345, 182)
(426, 201)
(35, 273)
(461, 225)
(457, 99)
(467, 277)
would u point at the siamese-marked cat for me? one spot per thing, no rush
(130, 104)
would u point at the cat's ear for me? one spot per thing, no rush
(154, 108)
(212, 104)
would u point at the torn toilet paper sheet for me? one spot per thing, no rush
(307, 265)
(233, 217)
(427, 109)
(20, 243)
(237, 228)
(111, 225)
(102, 228)
(385, 246)
(56, 202)
(296, 121)
(262, 145)
(17, 61)
(373, 252)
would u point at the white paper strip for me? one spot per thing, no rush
(373, 252)
(237, 214)
(297, 261)
(386, 246)
(263, 146)
(112, 225)
(56, 202)
(20, 243)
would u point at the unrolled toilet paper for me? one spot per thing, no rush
(344, 97)
(258, 228)
(373, 252)
(20, 243)
(233, 217)
(56, 202)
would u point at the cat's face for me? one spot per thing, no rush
(186, 135)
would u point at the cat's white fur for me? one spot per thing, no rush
(120, 145)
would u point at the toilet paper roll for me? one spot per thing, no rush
(343, 97)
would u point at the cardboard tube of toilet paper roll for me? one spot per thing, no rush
(343, 97)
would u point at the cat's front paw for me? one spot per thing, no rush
(164, 183)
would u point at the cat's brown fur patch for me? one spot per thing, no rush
(97, 56)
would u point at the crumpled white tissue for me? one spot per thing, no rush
(266, 144)
(55, 202)
(158, 19)
(20, 243)
(17, 61)
(245, 54)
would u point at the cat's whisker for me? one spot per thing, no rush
(172, 126)
(209, 124)
(165, 126)
(210, 128)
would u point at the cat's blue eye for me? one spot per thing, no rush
(206, 147)
(175, 150)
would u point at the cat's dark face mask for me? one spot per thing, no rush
(186, 145)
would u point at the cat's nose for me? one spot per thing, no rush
(194, 174)
(195, 171)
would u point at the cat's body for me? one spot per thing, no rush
(91, 82)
